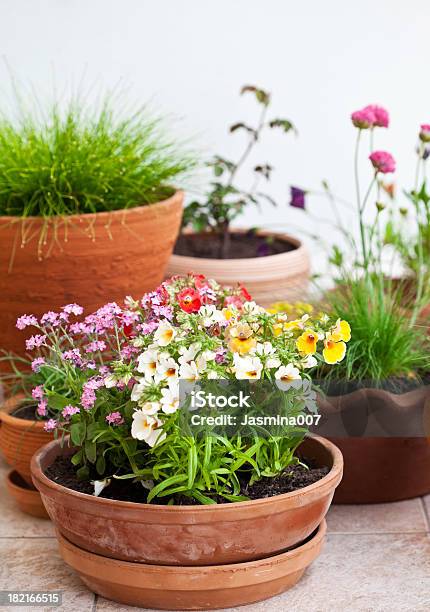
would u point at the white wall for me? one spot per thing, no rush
(320, 59)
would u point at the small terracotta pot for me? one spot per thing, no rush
(380, 469)
(282, 277)
(190, 535)
(20, 438)
(26, 496)
(192, 588)
(86, 259)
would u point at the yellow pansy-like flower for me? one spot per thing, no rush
(307, 342)
(334, 350)
(241, 340)
(341, 331)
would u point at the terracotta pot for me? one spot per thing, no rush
(190, 535)
(20, 439)
(282, 277)
(87, 259)
(380, 469)
(26, 496)
(192, 588)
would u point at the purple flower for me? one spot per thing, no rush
(97, 345)
(220, 355)
(73, 309)
(263, 250)
(297, 197)
(50, 318)
(88, 397)
(26, 321)
(426, 153)
(34, 342)
(74, 355)
(41, 408)
(114, 418)
(148, 328)
(37, 392)
(50, 425)
(37, 363)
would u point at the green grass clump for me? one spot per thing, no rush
(384, 342)
(80, 160)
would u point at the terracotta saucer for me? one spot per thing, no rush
(27, 497)
(192, 588)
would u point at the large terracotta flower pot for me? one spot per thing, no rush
(87, 259)
(25, 495)
(380, 468)
(190, 535)
(192, 588)
(281, 277)
(20, 438)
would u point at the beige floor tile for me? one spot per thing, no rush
(358, 573)
(35, 564)
(398, 517)
(13, 522)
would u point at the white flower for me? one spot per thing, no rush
(99, 485)
(213, 375)
(285, 375)
(147, 362)
(164, 333)
(110, 381)
(268, 352)
(139, 389)
(210, 315)
(150, 408)
(189, 354)
(167, 368)
(189, 371)
(170, 399)
(252, 308)
(310, 362)
(247, 368)
(147, 427)
(203, 358)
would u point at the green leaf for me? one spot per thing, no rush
(91, 451)
(77, 458)
(284, 124)
(101, 465)
(161, 486)
(83, 473)
(78, 433)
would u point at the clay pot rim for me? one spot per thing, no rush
(109, 563)
(178, 195)
(375, 391)
(25, 424)
(335, 474)
(299, 249)
(31, 493)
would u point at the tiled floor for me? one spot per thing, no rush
(376, 559)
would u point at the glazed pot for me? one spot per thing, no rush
(25, 495)
(84, 259)
(192, 588)
(190, 535)
(379, 468)
(20, 438)
(281, 277)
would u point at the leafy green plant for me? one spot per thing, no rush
(225, 200)
(80, 160)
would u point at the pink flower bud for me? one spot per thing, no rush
(382, 118)
(425, 132)
(363, 119)
(383, 162)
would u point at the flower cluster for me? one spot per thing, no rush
(370, 116)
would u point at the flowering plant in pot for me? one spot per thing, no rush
(377, 396)
(270, 264)
(86, 207)
(171, 501)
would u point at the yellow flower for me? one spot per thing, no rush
(295, 324)
(334, 350)
(342, 331)
(241, 340)
(307, 342)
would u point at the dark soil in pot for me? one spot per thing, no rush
(394, 384)
(241, 246)
(27, 412)
(293, 478)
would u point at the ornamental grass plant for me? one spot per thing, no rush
(111, 381)
(75, 159)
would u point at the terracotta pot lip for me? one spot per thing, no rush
(175, 198)
(314, 540)
(336, 469)
(382, 392)
(21, 490)
(5, 416)
(296, 242)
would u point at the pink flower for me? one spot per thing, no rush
(34, 342)
(114, 418)
(382, 118)
(50, 318)
(37, 392)
(50, 425)
(69, 411)
(41, 408)
(26, 321)
(74, 355)
(74, 309)
(97, 345)
(88, 397)
(37, 363)
(364, 118)
(425, 132)
(383, 162)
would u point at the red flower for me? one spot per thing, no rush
(128, 330)
(189, 300)
(245, 293)
(200, 281)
